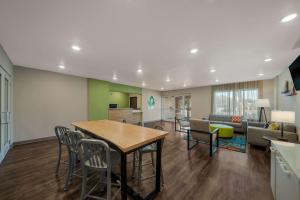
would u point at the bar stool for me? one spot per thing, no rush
(138, 161)
(97, 156)
(60, 134)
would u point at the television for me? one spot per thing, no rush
(113, 105)
(295, 72)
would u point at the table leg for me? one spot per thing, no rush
(123, 177)
(158, 166)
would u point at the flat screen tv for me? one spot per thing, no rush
(113, 105)
(295, 72)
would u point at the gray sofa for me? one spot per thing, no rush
(256, 131)
(227, 120)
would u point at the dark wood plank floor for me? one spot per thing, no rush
(28, 173)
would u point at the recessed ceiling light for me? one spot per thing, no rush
(76, 48)
(115, 77)
(213, 70)
(217, 80)
(143, 84)
(139, 71)
(193, 51)
(168, 80)
(184, 85)
(289, 18)
(61, 66)
(162, 88)
(268, 59)
(260, 74)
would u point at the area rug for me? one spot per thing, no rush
(236, 143)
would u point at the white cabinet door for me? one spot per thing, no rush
(287, 184)
(273, 170)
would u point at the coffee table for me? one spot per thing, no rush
(225, 131)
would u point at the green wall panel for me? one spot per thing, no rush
(120, 98)
(115, 87)
(99, 97)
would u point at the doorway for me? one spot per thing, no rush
(133, 102)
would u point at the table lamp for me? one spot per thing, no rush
(262, 104)
(283, 117)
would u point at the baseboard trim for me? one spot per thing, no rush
(34, 140)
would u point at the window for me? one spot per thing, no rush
(236, 99)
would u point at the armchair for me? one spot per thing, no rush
(199, 131)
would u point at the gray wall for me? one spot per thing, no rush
(43, 100)
(288, 103)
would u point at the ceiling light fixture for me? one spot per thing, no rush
(268, 59)
(213, 70)
(193, 51)
(217, 80)
(139, 71)
(168, 80)
(61, 66)
(162, 88)
(260, 74)
(143, 84)
(115, 77)
(76, 48)
(184, 85)
(289, 18)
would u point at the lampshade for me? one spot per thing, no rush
(262, 103)
(283, 116)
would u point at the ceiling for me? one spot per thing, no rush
(119, 36)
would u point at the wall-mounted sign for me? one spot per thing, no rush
(151, 103)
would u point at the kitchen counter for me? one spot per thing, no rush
(290, 152)
(130, 115)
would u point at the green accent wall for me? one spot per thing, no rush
(120, 98)
(100, 94)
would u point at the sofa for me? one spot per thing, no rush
(227, 120)
(256, 131)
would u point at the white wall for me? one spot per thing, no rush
(288, 103)
(154, 114)
(43, 100)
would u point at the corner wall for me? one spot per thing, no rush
(288, 103)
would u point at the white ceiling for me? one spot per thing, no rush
(116, 36)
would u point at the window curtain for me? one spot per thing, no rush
(237, 99)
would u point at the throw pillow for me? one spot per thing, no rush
(274, 126)
(236, 119)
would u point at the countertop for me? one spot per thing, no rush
(131, 109)
(290, 152)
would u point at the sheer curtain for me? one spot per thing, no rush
(237, 99)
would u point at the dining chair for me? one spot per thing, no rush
(138, 161)
(200, 131)
(60, 135)
(97, 156)
(72, 140)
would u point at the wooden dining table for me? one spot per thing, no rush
(126, 138)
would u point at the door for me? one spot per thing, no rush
(133, 102)
(5, 109)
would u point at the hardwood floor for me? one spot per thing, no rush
(28, 173)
